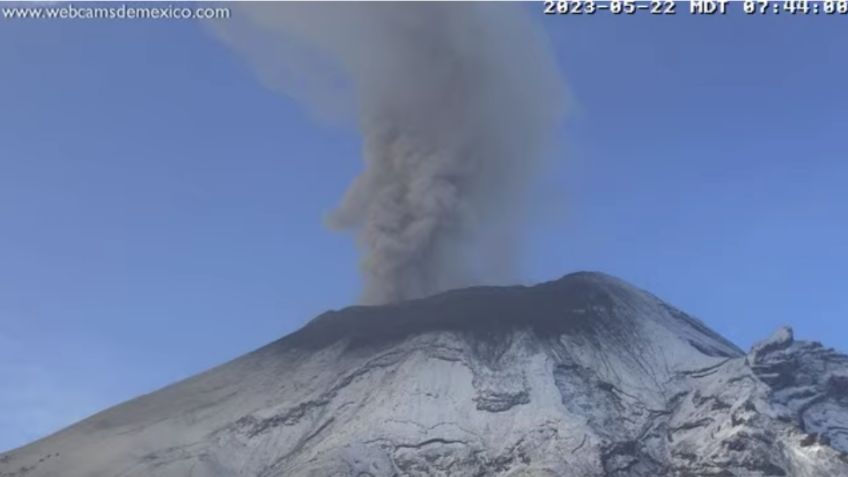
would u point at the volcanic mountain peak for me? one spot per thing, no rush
(591, 305)
(582, 376)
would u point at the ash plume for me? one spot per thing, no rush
(455, 103)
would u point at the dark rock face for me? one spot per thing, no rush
(584, 304)
(584, 376)
(809, 380)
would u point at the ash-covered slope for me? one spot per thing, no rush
(584, 376)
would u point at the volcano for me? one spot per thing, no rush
(583, 376)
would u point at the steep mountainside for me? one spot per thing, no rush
(584, 376)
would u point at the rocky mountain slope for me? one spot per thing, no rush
(584, 376)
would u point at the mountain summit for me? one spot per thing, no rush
(583, 376)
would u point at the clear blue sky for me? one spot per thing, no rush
(161, 211)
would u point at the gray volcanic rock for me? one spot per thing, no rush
(584, 376)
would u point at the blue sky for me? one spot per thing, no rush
(161, 211)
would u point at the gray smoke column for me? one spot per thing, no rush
(455, 103)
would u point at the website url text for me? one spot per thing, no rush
(122, 12)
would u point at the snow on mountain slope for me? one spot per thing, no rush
(583, 376)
